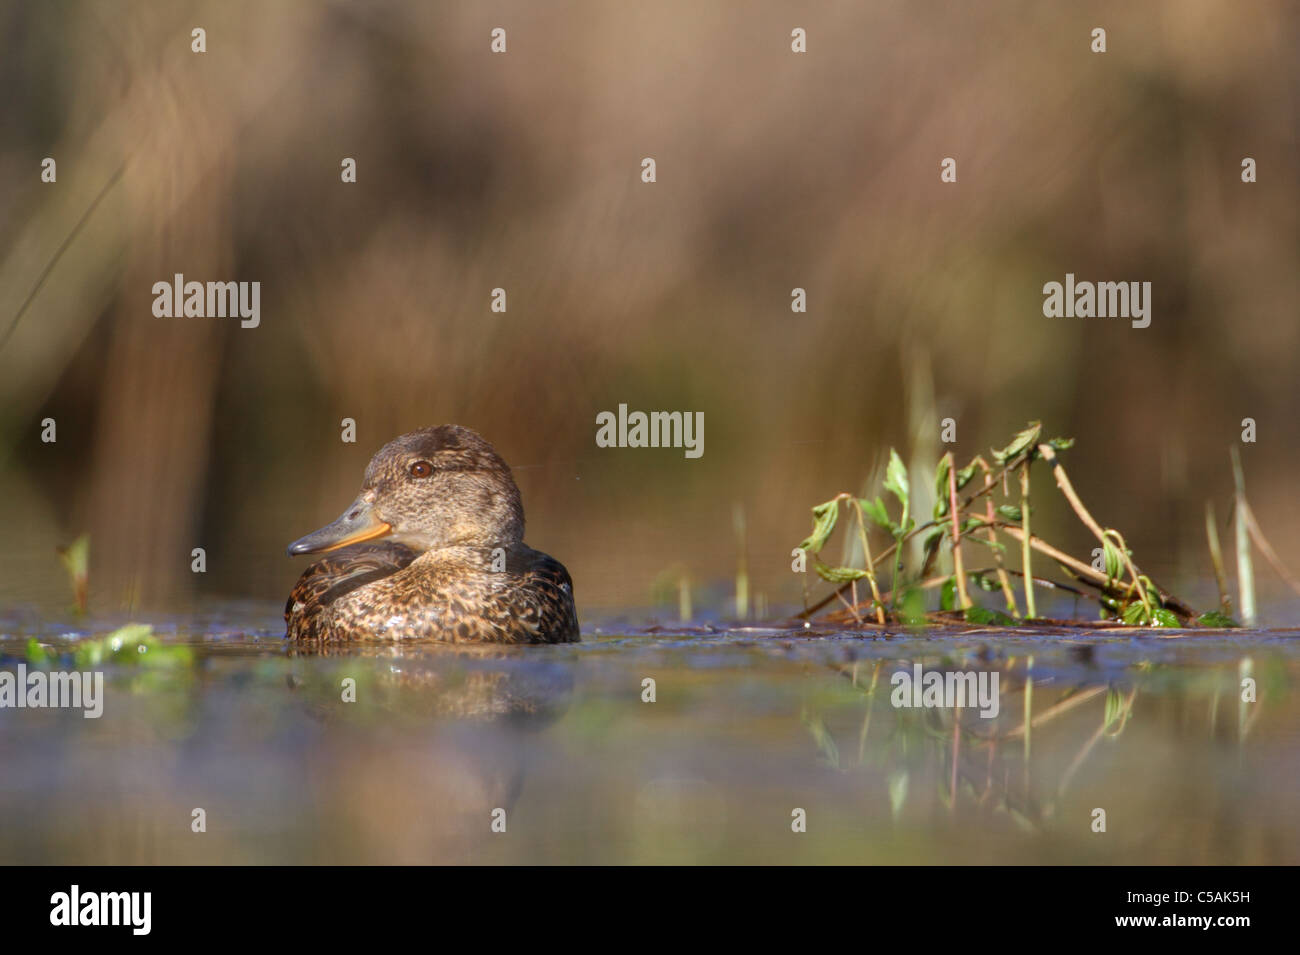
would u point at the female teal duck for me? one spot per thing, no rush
(432, 548)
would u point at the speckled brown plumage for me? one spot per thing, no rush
(440, 554)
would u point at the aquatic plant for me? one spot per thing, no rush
(133, 644)
(986, 504)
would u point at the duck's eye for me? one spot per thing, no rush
(421, 469)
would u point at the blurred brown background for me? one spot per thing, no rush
(522, 170)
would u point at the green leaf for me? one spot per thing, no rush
(1011, 512)
(948, 594)
(1114, 561)
(876, 513)
(1213, 618)
(1022, 442)
(88, 653)
(986, 617)
(994, 545)
(36, 654)
(131, 645)
(1134, 614)
(965, 474)
(941, 471)
(1160, 617)
(911, 610)
(896, 478)
(941, 490)
(838, 575)
(824, 516)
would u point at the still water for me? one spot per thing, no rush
(751, 734)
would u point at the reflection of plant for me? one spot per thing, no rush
(1121, 589)
(972, 758)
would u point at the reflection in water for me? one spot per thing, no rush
(466, 780)
(745, 728)
(981, 761)
(467, 682)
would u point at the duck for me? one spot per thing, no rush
(431, 549)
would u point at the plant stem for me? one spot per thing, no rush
(958, 567)
(1245, 568)
(1085, 572)
(1012, 607)
(1216, 558)
(1067, 488)
(866, 556)
(1031, 609)
(1265, 548)
(898, 556)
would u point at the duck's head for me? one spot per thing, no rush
(429, 489)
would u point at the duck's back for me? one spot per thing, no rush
(530, 601)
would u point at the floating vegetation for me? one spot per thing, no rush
(985, 507)
(130, 645)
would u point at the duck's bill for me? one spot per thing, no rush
(357, 524)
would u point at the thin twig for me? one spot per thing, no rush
(58, 253)
(1067, 488)
(866, 556)
(1003, 579)
(1265, 548)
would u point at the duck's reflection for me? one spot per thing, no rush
(436, 739)
(471, 683)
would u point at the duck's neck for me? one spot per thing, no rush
(485, 556)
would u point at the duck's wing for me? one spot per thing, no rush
(546, 609)
(339, 573)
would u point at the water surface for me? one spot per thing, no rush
(747, 726)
